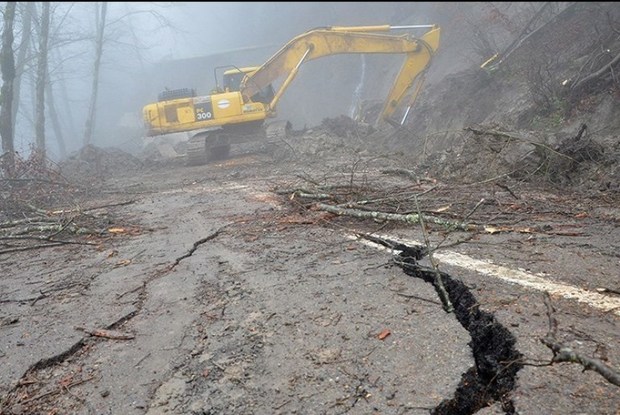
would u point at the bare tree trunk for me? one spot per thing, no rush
(41, 81)
(51, 107)
(28, 11)
(67, 112)
(7, 65)
(90, 119)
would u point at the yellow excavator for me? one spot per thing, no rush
(238, 109)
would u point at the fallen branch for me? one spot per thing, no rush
(563, 353)
(82, 210)
(18, 222)
(417, 297)
(506, 188)
(403, 172)
(306, 195)
(28, 248)
(44, 239)
(438, 282)
(409, 218)
(391, 198)
(107, 334)
(55, 228)
(126, 202)
(35, 229)
(289, 191)
(56, 391)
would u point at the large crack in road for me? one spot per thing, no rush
(496, 359)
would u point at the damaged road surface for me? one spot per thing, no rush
(220, 297)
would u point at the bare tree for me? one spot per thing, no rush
(100, 15)
(41, 80)
(27, 12)
(601, 65)
(543, 81)
(7, 65)
(51, 107)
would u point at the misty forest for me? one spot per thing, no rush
(310, 208)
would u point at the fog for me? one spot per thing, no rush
(152, 46)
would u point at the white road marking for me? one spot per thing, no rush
(514, 276)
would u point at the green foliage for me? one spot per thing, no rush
(551, 117)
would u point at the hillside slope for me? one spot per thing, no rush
(547, 112)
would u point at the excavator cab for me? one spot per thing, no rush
(233, 78)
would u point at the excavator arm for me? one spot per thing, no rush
(322, 42)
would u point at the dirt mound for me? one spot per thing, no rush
(93, 164)
(575, 160)
(339, 136)
(344, 126)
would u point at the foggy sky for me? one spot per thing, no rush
(141, 36)
(212, 27)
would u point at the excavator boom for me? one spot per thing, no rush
(323, 42)
(236, 112)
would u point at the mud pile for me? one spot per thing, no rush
(92, 164)
(573, 159)
(338, 136)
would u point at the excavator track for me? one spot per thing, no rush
(215, 144)
(208, 146)
(197, 150)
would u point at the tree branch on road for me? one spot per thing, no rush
(564, 353)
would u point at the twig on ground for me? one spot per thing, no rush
(107, 334)
(441, 289)
(563, 353)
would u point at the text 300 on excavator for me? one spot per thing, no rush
(238, 110)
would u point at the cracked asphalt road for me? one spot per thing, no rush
(239, 304)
